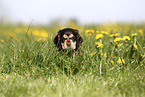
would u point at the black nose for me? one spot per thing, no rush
(68, 44)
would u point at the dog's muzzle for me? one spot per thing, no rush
(69, 44)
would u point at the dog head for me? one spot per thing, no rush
(68, 38)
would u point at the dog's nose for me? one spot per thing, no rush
(68, 44)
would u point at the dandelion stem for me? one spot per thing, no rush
(101, 67)
(134, 41)
(101, 60)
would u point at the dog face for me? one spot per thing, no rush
(68, 39)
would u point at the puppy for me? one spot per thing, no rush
(68, 39)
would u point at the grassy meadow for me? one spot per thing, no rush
(111, 62)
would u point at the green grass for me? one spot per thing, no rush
(35, 69)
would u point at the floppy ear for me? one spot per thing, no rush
(57, 39)
(78, 38)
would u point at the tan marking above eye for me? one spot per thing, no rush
(65, 36)
(71, 35)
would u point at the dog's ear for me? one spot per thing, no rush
(79, 39)
(57, 39)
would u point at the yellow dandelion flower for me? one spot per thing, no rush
(16, 39)
(97, 31)
(89, 32)
(44, 34)
(2, 40)
(40, 33)
(141, 32)
(141, 55)
(98, 36)
(143, 47)
(114, 57)
(112, 62)
(135, 46)
(123, 61)
(39, 39)
(104, 54)
(134, 34)
(120, 61)
(36, 33)
(118, 45)
(126, 38)
(114, 35)
(117, 39)
(99, 45)
(105, 32)
(92, 54)
(100, 50)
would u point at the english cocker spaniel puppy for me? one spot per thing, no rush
(68, 39)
